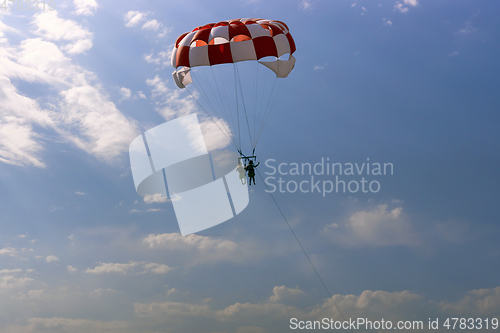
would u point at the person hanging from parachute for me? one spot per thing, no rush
(241, 169)
(250, 168)
(211, 57)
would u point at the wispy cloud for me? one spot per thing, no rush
(153, 210)
(154, 198)
(71, 269)
(80, 113)
(377, 227)
(152, 25)
(132, 18)
(131, 267)
(9, 251)
(306, 5)
(51, 258)
(18, 141)
(282, 294)
(170, 104)
(468, 29)
(413, 3)
(162, 58)
(53, 28)
(479, 302)
(125, 93)
(392, 306)
(85, 7)
(398, 6)
(199, 249)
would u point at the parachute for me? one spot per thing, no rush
(223, 66)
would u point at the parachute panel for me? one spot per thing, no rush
(267, 37)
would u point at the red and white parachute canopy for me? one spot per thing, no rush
(267, 42)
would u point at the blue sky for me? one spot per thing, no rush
(409, 82)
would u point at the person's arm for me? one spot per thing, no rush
(257, 164)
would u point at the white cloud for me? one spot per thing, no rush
(5, 28)
(165, 32)
(10, 282)
(156, 268)
(468, 29)
(53, 28)
(318, 67)
(141, 95)
(106, 132)
(125, 92)
(51, 258)
(171, 311)
(197, 249)
(162, 58)
(45, 60)
(152, 25)
(386, 21)
(159, 87)
(153, 210)
(18, 143)
(131, 267)
(154, 198)
(75, 325)
(85, 7)
(84, 116)
(11, 271)
(282, 293)
(133, 18)
(112, 268)
(413, 3)
(306, 5)
(214, 138)
(192, 241)
(171, 105)
(10, 251)
(79, 193)
(375, 228)
(398, 6)
(479, 302)
(71, 269)
(172, 316)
